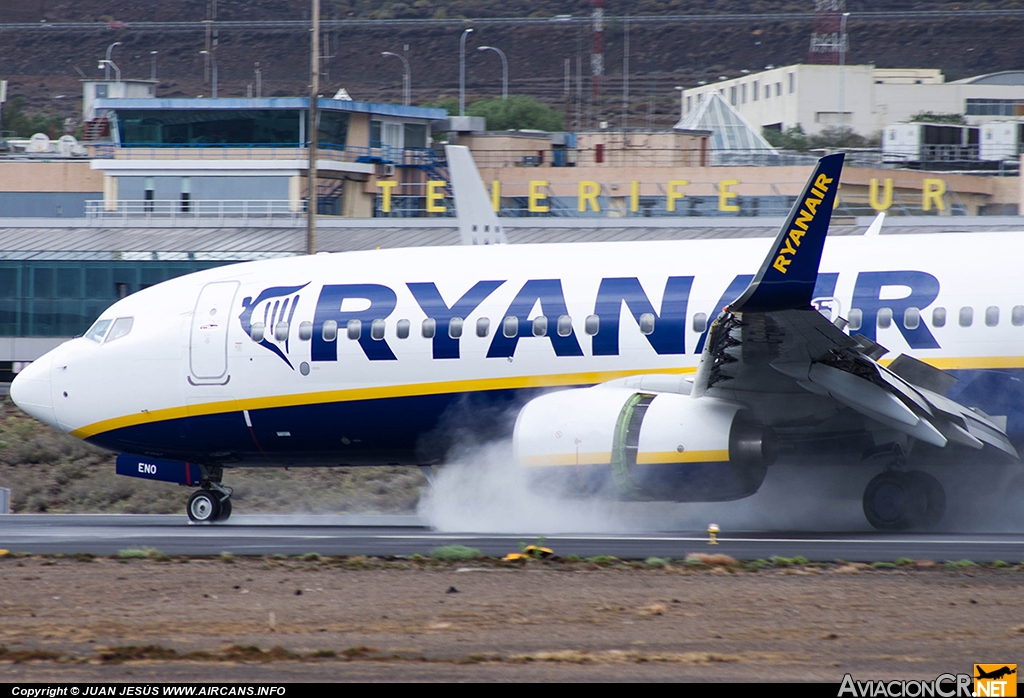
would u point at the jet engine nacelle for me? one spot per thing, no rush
(638, 445)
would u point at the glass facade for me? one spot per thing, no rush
(995, 107)
(62, 299)
(176, 127)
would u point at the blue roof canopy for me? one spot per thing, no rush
(239, 103)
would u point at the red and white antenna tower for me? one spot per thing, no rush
(828, 39)
(597, 52)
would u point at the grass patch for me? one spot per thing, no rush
(455, 553)
(961, 564)
(141, 554)
(884, 565)
(657, 562)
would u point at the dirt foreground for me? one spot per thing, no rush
(336, 619)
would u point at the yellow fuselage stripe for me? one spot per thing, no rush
(374, 393)
(445, 387)
(605, 458)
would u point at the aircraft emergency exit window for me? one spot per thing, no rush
(700, 322)
(884, 317)
(402, 329)
(966, 316)
(540, 326)
(257, 331)
(856, 318)
(647, 323)
(281, 331)
(939, 317)
(354, 328)
(510, 326)
(97, 331)
(429, 328)
(911, 318)
(330, 331)
(564, 326)
(305, 331)
(1017, 316)
(483, 327)
(592, 324)
(991, 316)
(455, 327)
(377, 329)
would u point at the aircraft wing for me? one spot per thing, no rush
(771, 340)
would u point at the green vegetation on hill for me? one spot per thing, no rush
(20, 124)
(517, 112)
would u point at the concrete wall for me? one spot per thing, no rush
(359, 130)
(45, 204)
(53, 176)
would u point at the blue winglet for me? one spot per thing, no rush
(788, 274)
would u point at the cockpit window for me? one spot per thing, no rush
(122, 326)
(98, 330)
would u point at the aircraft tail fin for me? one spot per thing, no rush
(788, 274)
(478, 223)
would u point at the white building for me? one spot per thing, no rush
(869, 98)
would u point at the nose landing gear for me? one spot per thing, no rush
(211, 503)
(896, 501)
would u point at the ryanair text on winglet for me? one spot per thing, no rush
(806, 215)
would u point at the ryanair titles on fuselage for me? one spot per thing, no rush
(667, 337)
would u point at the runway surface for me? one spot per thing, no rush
(384, 536)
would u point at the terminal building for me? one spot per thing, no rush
(862, 98)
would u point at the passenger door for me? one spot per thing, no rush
(208, 342)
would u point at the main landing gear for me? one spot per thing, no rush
(897, 500)
(212, 502)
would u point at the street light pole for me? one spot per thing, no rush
(406, 77)
(152, 64)
(213, 57)
(106, 73)
(106, 64)
(462, 72)
(682, 112)
(504, 69)
(842, 78)
(314, 122)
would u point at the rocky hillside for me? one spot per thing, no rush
(43, 64)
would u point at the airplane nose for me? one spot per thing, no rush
(31, 390)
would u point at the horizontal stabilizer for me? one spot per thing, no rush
(788, 274)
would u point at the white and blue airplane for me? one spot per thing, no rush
(650, 371)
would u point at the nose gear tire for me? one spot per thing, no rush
(203, 506)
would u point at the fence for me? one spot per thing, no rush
(198, 210)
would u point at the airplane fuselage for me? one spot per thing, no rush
(360, 358)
